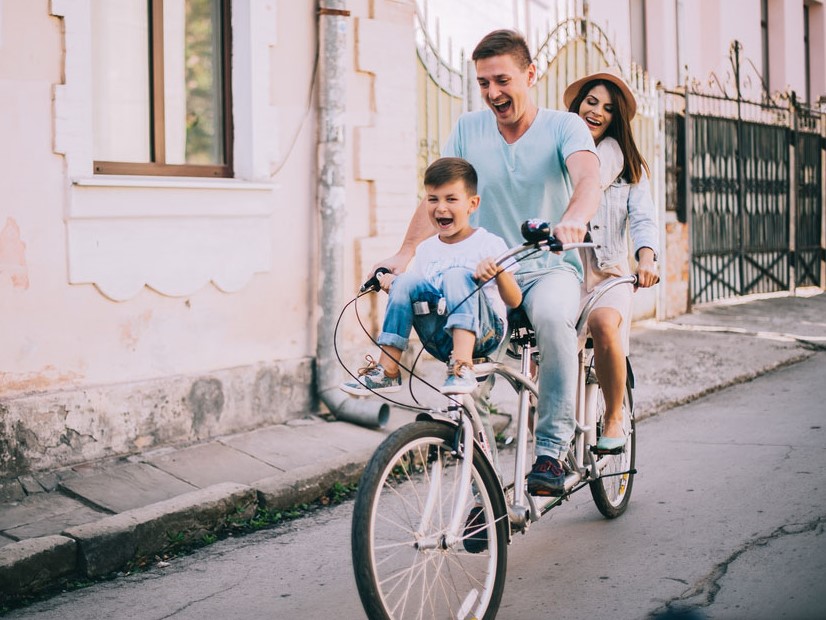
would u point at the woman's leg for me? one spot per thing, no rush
(609, 358)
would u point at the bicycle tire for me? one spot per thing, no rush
(612, 493)
(400, 575)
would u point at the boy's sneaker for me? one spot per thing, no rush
(460, 379)
(372, 380)
(547, 477)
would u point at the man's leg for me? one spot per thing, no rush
(552, 304)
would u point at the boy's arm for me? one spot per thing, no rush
(509, 290)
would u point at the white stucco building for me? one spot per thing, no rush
(162, 268)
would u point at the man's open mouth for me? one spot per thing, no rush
(502, 107)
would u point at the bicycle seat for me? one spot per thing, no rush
(521, 332)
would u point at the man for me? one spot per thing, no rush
(527, 160)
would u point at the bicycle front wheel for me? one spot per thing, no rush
(612, 490)
(406, 561)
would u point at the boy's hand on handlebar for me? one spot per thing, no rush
(385, 280)
(487, 270)
(570, 231)
(396, 264)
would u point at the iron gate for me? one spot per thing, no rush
(752, 185)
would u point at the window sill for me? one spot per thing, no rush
(171, 235)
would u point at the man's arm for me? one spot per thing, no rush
(418, 230)
(583, 167)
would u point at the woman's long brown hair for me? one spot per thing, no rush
(619, 129)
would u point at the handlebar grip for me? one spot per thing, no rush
(373, 283)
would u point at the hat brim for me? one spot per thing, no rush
(574, 87)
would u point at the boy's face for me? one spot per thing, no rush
(449, 207)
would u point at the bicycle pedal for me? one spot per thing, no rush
(614, 451)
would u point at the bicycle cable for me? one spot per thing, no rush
(412, 369)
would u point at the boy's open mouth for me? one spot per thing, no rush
(444, 222)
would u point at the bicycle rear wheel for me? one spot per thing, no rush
(612, 491)
(405, 564)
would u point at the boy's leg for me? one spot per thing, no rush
(398, 319)
(462, 300)
(389, 360)
(398, 316)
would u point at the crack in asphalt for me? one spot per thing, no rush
(203, 598)
(707, 588)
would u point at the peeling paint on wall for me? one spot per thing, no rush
(132, 330)
(25, 383)
(13, 256)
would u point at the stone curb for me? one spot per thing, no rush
(110, 544)
(306, 484)
(33, 564)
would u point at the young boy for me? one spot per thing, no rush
(448, 266)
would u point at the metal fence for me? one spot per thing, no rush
(747, 177)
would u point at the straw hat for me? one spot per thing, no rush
(611, 74)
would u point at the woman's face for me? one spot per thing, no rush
(597, 109)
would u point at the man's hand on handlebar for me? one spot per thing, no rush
(570, 231)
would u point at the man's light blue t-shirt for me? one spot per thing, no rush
(522, 180)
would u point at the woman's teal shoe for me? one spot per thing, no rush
(611, 443)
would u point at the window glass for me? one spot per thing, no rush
(160, 101)
(192, 81)
(120, 83)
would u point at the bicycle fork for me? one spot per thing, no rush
(463, 450)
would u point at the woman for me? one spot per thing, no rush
(607, 105)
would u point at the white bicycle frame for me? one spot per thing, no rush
(524, 508)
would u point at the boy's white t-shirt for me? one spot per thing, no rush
(434, 256)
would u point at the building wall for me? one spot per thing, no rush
(143, 312)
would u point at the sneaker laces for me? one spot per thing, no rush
(458, 366)
(372, 364)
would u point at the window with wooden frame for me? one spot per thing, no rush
(161, 97)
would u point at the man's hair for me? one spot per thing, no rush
(449, 169)
(501, 42)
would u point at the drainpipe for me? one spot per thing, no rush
(330, 193)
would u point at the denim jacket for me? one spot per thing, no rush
(623, 204)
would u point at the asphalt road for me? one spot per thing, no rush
(727, 519)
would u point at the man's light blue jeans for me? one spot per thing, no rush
(436, 331)
(551, 301)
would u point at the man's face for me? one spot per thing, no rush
(505, 87)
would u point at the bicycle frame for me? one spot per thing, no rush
(523, 508)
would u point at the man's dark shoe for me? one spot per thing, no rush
(547, 477)
(475, 537)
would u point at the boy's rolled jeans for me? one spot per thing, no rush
(435, 330)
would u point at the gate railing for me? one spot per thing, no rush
(753, 188)
(442, 92)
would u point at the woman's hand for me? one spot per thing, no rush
(647, 272)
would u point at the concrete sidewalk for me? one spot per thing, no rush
(95, 519)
